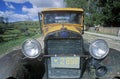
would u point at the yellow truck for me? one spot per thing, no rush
(64, 53)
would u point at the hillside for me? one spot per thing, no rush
(10, 31)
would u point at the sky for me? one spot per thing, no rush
(24, 10)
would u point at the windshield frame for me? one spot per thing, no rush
(63, 13)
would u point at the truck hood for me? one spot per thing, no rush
(57, 27)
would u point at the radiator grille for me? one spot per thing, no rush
(63, 47)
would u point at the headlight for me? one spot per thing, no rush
(31, 48)
(99, 49)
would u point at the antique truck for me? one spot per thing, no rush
(65, 54)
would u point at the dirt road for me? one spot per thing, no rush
(112, 61)
(114, 44)
(14, 64)
(14, 61)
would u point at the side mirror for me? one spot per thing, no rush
(40, 21)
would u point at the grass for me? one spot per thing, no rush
(10, 45)
(14, 34)
(103, 33)
(107, 33)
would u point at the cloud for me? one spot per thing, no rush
(47, 3)
(18, 17)
(31, 10)
(13, 17)
(1, 13)
(9, 5)
(38, 5)
(16, 1)
(31, 13)
(41, 3)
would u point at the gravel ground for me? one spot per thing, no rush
(13, 61)
(14, 64)
(112, 61)
(114, 44)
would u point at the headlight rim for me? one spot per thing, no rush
(91, 53)
(38, 46)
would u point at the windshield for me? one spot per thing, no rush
(62, 17)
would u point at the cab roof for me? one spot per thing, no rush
(62, 9)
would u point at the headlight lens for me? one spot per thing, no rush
(99, 49)
(31, 48)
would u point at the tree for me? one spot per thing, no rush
(104, 12)
(111, 13)
(2, 28)
(81, 4)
